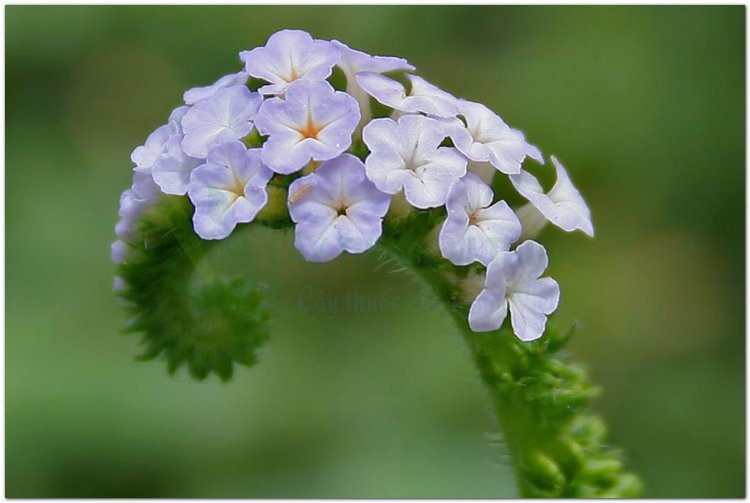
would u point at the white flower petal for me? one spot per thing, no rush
(563, 205)
(488, 311)
(487, 138)
(172, 169)
(423, 96)
(198, 94)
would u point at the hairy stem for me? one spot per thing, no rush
(557, 447)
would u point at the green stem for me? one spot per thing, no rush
(557, 447)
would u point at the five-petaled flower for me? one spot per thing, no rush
(407, 155)
(513, 281)
(336, 209)
(312, 122)
(422, 97)
(353, 62)
(288, 56)
(474, 230)
(562, 205)
(227, 115)
(230, 188)
(485, 137)
(171, 169)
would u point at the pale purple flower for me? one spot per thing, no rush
(198, 94)
(119, 252)
(407, 155)
(513, 281)
(353, 62)
(143, 187)
(563, 205)
(336, 209)
(227, 115)
(171, 170)
(313, 122)
(422, 97)
(177, 115)
(476, 229)
(155, 145)
(230, 188)
(487, 138)
(161, 159)
(290, 55)
(131, 208)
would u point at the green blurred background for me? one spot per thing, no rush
(377, 398)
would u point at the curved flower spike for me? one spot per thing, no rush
(513, 281)
(474, 230)
(487, 138)
(227, 115)
(336, 209)
(313, 122)
(422, 97)
(290, 55)
(563, 205)
(407, 155)
(230, 188)
(198, 94)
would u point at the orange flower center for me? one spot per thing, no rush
(310, 130)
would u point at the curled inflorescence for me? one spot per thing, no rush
(344, 153)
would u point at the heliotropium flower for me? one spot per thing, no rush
(172, 169)
(198, 94)
(312, 122)
(290, 55)
(407, 155)
(230, 188)
(227, 115)
(563, 205)
(487, 138)
(353, 62)
(513, 281)
(157, 142)
(336, 209)
(476, 229)
(422, 97)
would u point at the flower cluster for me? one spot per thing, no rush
(342, 168)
